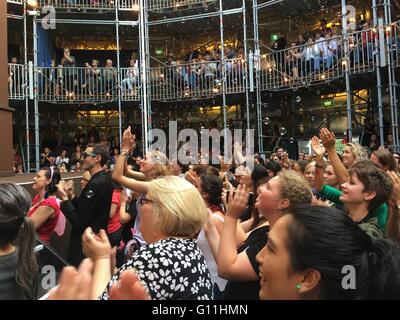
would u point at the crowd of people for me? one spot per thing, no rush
(163, 230)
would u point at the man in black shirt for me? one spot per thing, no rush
(92, 207)
(279, 45)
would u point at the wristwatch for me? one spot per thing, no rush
(319, 166)
(124, 153)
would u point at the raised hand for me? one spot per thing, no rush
(316, 146)
(62, 194)
(328, 139)
(127, 139)
(236, 202)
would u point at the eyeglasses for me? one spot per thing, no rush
(143, 200)
(88, 154)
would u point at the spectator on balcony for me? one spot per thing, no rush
(322, 52)
(193, 54)
(131, 78)
(310, 52)
(279, 45)
(93, 75)
(68, 62)
(332, 49)
(210, 69)
(110, 76)
(62, 158)
(367, 38)
(300, 40)
(204, 51)
(14, 78)
(293, 60)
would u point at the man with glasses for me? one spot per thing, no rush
(92, 207)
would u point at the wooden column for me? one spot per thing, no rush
(6, 113)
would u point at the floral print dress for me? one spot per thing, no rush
(171, 269)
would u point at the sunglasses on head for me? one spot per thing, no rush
(88, 154)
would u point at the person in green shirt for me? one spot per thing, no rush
(364, 195)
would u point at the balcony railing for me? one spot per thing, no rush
(294, 67)
(302, 65)
(175, 4)
(91, 4)
(16, 81)
(87, 85)
(196, 80)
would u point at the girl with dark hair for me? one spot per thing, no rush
(45, 209)
(210, 188)
(18, 266)
(298, 261)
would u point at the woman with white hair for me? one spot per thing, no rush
(171, 265)
(154, 165)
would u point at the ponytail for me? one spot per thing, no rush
(27, 264)
(384, 266)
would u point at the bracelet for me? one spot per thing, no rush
(319, 166)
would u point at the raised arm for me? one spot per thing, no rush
(329, 142)
(319, 172)
(232, 265)
(118, 174)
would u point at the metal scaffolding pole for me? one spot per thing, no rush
(28, 146)
(258, 89)
(246, 71)
(378, 75)
(392, 77)
(118, 74)
(147, 55)
(36, 101)
(223, 63)
(347, 74)
(143, 72)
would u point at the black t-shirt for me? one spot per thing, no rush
(248, 290)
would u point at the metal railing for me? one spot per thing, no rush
(302, 65)
(59, 84)
(361, 51)
(196, 80)
(175, 4)
(16, 81)
(91, 4)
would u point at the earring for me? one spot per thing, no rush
(298, 286)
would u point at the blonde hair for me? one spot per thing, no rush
(358, 151)
(179, 207)
(161, 164)
(294, 188)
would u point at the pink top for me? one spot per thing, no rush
(45, 231)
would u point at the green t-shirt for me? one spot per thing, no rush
(381, 213)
